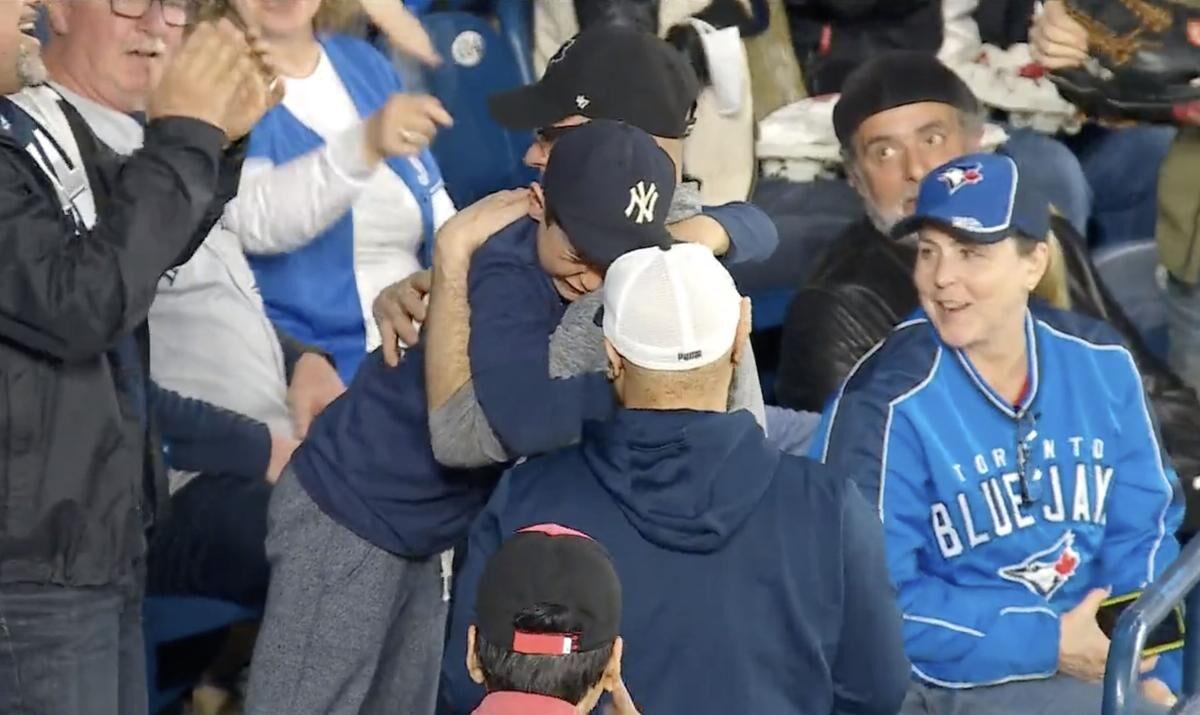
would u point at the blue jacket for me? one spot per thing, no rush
(983, 577)
(198, 436)
(515, 308)
(753, 582)
(368, 465)
(312, 292)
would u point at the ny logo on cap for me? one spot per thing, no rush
(642, 199)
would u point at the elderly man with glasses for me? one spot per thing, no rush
(211, 339)
(117, 48)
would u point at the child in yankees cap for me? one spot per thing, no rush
(606, 191)
(546, 634)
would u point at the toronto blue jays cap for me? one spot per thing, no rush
(979, 198)
(610, 187)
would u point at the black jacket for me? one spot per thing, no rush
(80, 472)
(833, 37)
(863, 286)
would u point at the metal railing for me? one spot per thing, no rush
(1177, 584)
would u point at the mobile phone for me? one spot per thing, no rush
(1165, 637)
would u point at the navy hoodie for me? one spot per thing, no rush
(754, 582)
(368, 465)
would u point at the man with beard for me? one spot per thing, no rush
(79, 472)
(899, 116)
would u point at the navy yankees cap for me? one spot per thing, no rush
(607, 72)
(549, 565)
(610, 186)
(979, 198)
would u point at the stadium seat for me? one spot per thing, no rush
(477, 156)
(516, 24)
(168, 619)
(1132, 274)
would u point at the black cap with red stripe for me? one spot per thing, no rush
(549, 565)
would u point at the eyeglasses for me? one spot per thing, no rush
(691, 121)
(549, 135)
(1031, 489)
(176, 13)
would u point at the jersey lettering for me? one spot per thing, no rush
(993, 507)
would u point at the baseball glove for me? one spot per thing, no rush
(1145, 58)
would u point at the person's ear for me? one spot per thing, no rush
(473, 667)
(741, 338)
(1036, 266)
(612, 671)
(537, 203)
(58, 16)
(615, 365)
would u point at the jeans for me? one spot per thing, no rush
(1183, 329)
(68, 651)
(213, 543)
(1057, 695)
(1121, 166)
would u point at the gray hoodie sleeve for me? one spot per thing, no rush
(460, 434)
(577, 346)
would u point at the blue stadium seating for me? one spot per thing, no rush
(166, 619)
(476, 155)
(1131, 273)
(516, 24)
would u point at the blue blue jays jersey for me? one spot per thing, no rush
(998, 517)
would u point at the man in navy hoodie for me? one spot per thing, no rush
(753, 581)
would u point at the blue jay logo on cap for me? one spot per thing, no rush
(956, 177)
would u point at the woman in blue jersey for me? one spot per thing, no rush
(339, 193)
(1015, 464)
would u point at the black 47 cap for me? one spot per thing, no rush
(607, 72)
(549, 564)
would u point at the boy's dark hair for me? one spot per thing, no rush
(566, 677)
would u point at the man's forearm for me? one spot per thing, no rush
(704, 230)
(447, 326)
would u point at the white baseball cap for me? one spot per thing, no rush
(670, 309)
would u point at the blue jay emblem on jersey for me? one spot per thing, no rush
(957, 177)
(1048, 570)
